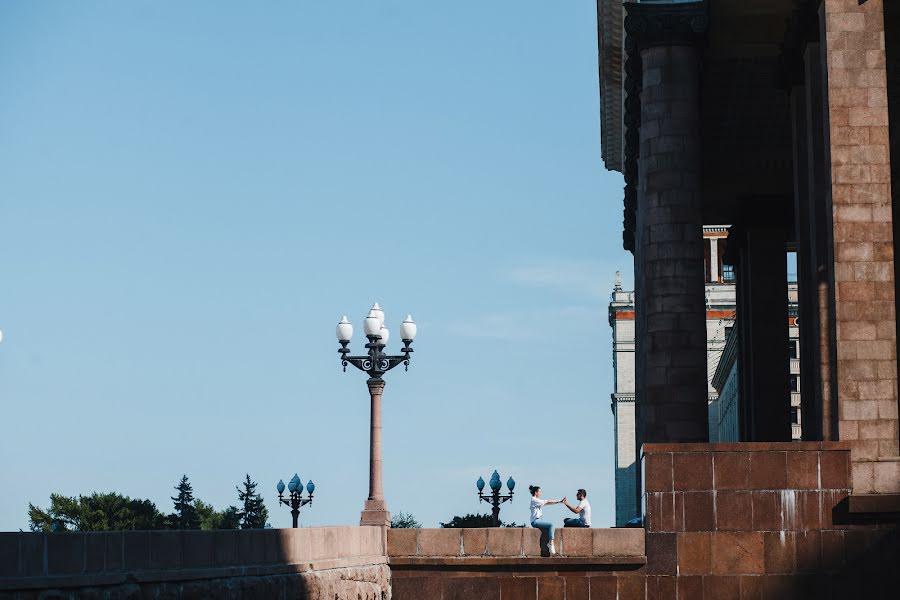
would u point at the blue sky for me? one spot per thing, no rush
(193, 193)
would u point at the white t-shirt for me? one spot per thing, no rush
(537, 506)
(585, 514)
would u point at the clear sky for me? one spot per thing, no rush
(193, 193)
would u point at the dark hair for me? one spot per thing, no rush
(582, 492)
(533, 489)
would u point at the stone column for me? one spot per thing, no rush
(864, 295)
(375, 510)
(762, 321)
(669, 256)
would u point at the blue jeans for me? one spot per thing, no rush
(573, 523)
(546, 526)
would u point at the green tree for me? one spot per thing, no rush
(254, 514)
(477, 520)
(404, 520)
(210, 518)
(185, 515)
(97, 512)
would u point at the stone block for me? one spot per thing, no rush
(732, 509)
(197, 550)
(692, 471)
(779, 550)
(658, 472)
(620, 541)
(737, 553)
(802, 470)
(65, 553)
(768, 470)
(551, 588)
(722, 587)
(577, 588)
(415, 588)
(505, 541)
(94, 551)
(402, 542)
(136, 550)
(251, 545)
(835, 469)
(518, 587)
(661, 587)
(766, 510)
(695, 553)
(115, 551)
(698, 510)
(474, 541)
(660, 511)
(574, 541)
(165, 549)
(317, 544)
(731, 470)
(887, 475)
(690, 588)
(631, 587)
(466, 588)
(440, 542)
(9, 554)
(225, 548)
(531, 542)
(808, 551)
(662, 553)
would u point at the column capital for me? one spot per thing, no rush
(679, 23)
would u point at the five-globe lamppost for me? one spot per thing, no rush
(495, 498)
(295, 497)
(375, 363)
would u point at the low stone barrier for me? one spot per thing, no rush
(315, 563)
(514, 542)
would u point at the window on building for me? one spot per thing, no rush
(792, 348)
(794, 415)
(728, 273)
(795, 383)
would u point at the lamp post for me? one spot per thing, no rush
(295, 499)
(375, 363)
(495, 498)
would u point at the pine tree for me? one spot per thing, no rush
(185, 516)
(254, 514)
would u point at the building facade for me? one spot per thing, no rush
(781, 118)
(721, 368)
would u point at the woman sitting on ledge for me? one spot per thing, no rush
(537, 513)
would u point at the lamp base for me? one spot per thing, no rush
(375, 513)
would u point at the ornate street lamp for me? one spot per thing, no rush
(295, 499)
(495, 498)
(375, 363)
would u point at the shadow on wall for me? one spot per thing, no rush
(315, 563)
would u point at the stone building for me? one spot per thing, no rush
(720, 312)
(772, 115)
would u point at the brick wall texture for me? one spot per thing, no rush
(863, 240)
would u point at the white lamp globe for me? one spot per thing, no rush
(385, 335)
(378, 313)
(372, 325)
(408, 329)
(344, 330)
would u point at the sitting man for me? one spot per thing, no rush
(583, 510)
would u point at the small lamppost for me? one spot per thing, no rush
(375, 363)
(495, 498)
(295, 500)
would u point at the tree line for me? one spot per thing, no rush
(113, 512)
(404, 520)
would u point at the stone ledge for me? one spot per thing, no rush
(746, 447)
(161, 575)
(551, 563)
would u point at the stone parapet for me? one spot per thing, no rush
(162, 559)
(512, 542)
